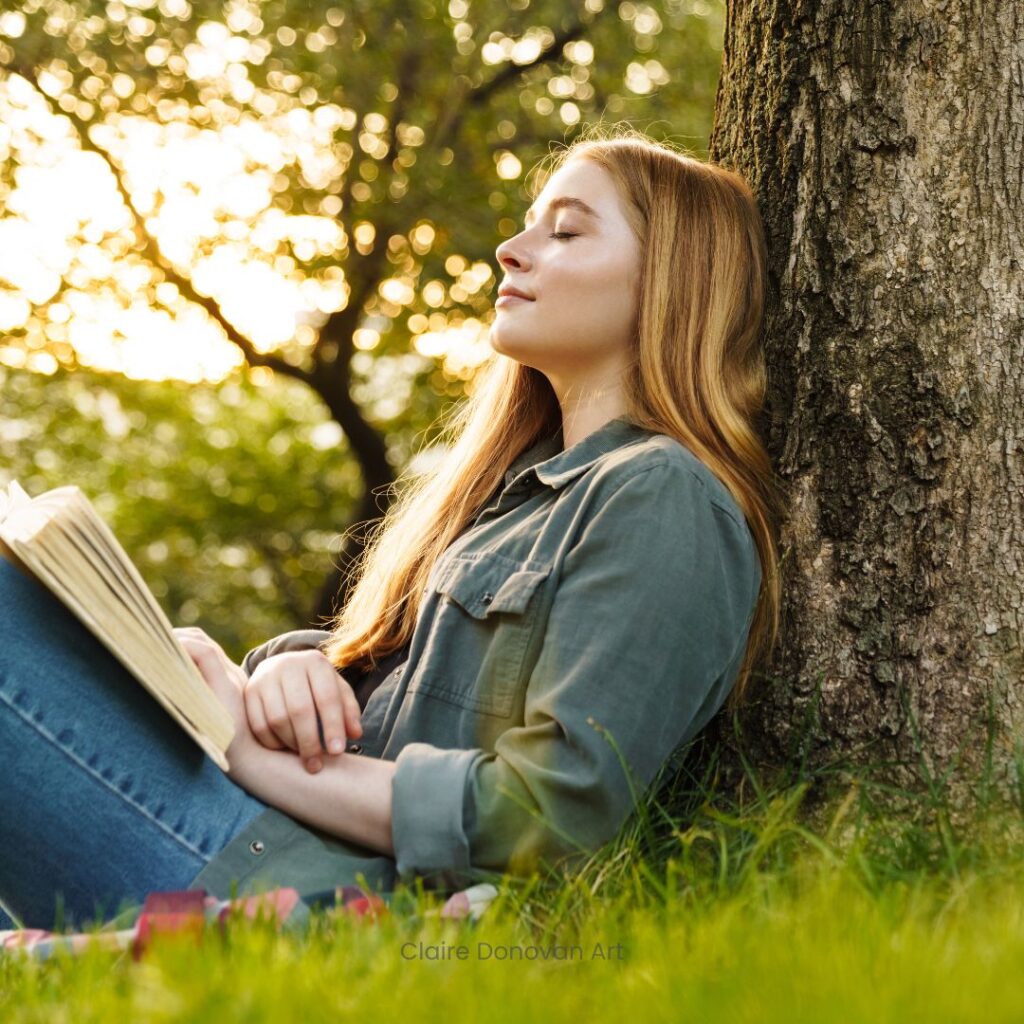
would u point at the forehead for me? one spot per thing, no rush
(579, 185)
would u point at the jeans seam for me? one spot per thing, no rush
(47, 735)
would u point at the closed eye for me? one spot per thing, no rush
(561, 234)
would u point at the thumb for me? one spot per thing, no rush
(211, 666)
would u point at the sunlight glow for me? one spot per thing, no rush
(68, 240)
(509, 166)
(463, 347)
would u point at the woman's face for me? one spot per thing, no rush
(581, 271)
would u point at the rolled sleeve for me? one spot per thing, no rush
(427, 827)
(651, 610)
(293, 640)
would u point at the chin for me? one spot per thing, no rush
(513, 349)
(500, 340)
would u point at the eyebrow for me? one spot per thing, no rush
(567, 202)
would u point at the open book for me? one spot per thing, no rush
(59, 539)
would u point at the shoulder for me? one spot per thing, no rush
(669, 502)
(658, 463)
(655, 512)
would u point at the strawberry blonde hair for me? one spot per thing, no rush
(698, 375)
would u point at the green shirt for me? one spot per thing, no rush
(606, 588)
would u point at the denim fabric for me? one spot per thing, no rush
(103, 798)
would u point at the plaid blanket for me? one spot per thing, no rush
(188, 910)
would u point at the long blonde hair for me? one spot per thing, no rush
(698, 376)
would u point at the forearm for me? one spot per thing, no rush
(350, 797)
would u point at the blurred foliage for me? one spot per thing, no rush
(389, 141)
(223, 495)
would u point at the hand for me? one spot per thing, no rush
(226, 679)
(284, 696)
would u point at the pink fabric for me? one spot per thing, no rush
(187, 911)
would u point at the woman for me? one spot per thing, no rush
(538, 623)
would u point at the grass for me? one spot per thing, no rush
(703, 910)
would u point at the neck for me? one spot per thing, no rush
(584, 417)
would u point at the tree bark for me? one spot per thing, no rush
(884, 144)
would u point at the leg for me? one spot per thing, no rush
(102, 797)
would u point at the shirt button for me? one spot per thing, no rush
(487, 598)
(355, 748)
(256, 847)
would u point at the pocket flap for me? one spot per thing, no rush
(514, 594)
(486, 583)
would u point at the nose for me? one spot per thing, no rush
(510, 254)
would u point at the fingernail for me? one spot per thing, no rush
(314, 764)
(335, 746)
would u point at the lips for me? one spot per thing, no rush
(507, 291)
(509, 300)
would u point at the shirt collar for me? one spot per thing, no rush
(556, 467)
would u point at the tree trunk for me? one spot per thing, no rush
(884, 142)
(370, 451)
(339, 582)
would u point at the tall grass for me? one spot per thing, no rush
(868, 903)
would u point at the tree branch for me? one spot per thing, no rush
(152, 252)
(451, 120)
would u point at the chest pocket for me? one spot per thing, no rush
(485, 617)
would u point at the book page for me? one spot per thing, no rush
(113, 615)
(12, 499)
(116, 581)
(61, 540)
(125, 566)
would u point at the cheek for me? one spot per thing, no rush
(590, 271)
(601, 295)
(601, 278)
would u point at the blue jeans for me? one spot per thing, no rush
(103, 797)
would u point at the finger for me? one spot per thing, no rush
(206, 658)
(193, 634)
(301, 705)
(213, 663)
(191, 642)
(202, 650)
(352, 711)
(258, 724)
(218, 673)
(329, 703)
(276, 712)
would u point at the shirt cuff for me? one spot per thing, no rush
(427, 794)
(293, 640)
